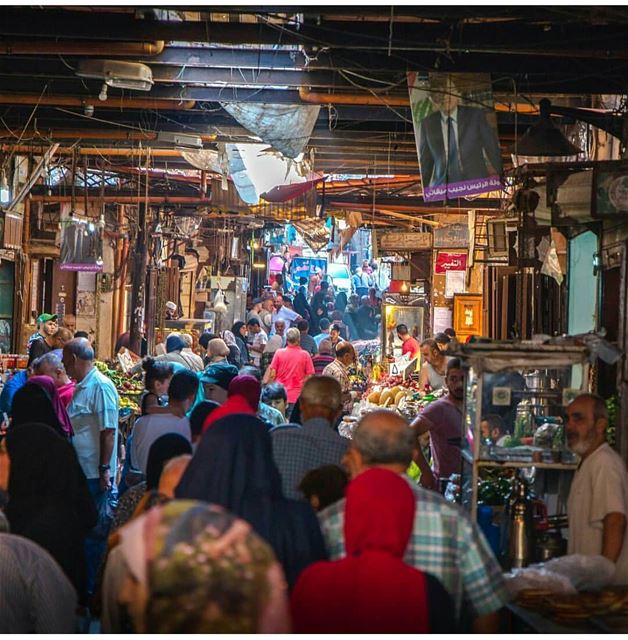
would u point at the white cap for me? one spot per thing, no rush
(171, 305)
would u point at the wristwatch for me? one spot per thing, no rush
(103, 467)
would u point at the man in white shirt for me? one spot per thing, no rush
(283, 311)
(181, 396)
(598, 498)
(266, 314)
(93, 412)
(260, 339)
(195, 360)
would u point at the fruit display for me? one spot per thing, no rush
(129, 388)
(127, 403)
(393, 392)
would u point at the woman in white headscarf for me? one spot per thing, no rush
(234, 356)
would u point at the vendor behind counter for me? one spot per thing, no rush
(597, 506)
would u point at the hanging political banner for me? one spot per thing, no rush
(81, 244)
(456, 134)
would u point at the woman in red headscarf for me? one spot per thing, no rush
(242, 397)
(372, 590)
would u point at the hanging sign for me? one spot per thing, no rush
(453, 236)
(446, 261)
(81, 244)
(456, 134)
(394, 241)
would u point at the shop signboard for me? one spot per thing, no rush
(446, 261)
(455, 128)
(399, 241)
(610, 192)
(452, 236)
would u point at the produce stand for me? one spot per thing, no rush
(130, 389)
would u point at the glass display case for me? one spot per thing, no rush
(401, 309)
(514, 407)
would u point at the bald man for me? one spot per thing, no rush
(444, 542)
(316, 443)
(598, 497)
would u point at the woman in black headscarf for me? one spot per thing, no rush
(239, 331)
(166, 447)
(234, 467)
(31, 403)
(49, 501)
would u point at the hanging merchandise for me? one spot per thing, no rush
(287, 128)
(219, 302)
(551, 265)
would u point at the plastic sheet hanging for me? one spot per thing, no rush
(287, 128)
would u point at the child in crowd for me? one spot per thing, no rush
(156, 383)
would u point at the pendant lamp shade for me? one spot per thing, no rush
(544, 138)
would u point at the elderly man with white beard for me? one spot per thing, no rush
(598, 498)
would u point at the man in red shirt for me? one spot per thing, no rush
(291, 366)
(410, 344)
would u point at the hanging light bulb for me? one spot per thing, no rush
(102, 96)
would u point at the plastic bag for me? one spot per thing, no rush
(568, 574)
(519, 579)
(586, 573)
(106, 508)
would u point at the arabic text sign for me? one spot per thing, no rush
(462, 189)
(446, 261)
(405, 241)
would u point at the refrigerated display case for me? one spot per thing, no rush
(523, 388)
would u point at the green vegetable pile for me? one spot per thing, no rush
(122, 382)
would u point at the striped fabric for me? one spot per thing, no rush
(445, 544)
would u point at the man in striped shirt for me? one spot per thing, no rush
(323, 358)
(444, 542)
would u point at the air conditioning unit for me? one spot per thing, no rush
(181, 141)
(497, 233)
(117, 73)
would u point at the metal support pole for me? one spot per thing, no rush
(138, 296)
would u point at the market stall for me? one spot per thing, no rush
(401, 308)
(130, 388)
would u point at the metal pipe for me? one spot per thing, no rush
(316, 97)
(129, 199)
(114, 102)
(95, 151)
(95, 134)
(77, 48)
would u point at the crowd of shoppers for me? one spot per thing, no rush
(240, 507)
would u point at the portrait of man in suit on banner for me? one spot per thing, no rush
(457, 141)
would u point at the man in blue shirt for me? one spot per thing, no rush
(323, 326)
(11, 386)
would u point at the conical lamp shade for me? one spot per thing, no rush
(544, 139)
